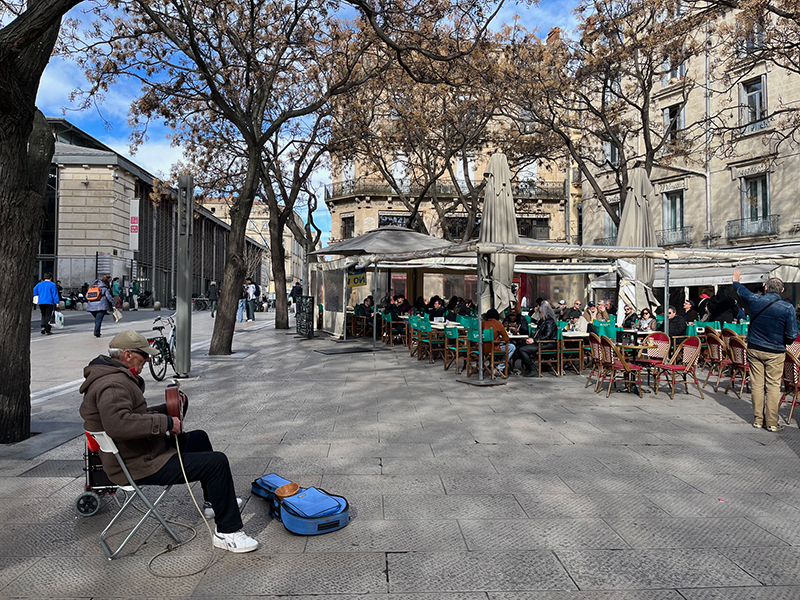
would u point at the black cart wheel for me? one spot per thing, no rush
(87, 504)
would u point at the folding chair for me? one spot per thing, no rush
(107, 445)
(455, 349)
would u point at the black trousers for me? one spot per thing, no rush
(47, 314)
(213, 472)
(529, 353)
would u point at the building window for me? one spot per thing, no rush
(611, 153)
(753, 104)
(462, 175)
(755, 197)
(397, 219)
(348, 170)
(456, 225)
(613, 90)
(673, 122)
(536, 228)
(673, 210)
(672, 73)
(348, 226)
(609, 227)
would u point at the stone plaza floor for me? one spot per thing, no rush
(536, 490)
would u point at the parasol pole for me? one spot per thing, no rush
(374, 307)
(344, 305)
(666, 297)
(480, 321)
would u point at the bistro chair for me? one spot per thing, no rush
(656, 355)
(571, 355)
(394, 330)
(455, 348)
(684, 361)
(413, 334)
(726, 336)
(615, 360)
(596, 355)
(794, 347)
(791, 381)
(351, 323)
(550, 356)
(717, 357)
(738, 353)
(607, 357)
(473, 353)
(430, 342)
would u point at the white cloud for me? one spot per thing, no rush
(156, 156)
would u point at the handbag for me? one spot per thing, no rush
(117, 315)
(58, 319)
(36, 299)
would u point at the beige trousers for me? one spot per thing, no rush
(766, 369)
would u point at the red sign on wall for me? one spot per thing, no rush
(134, 229)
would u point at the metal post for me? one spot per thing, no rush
(344, 305)
(375, 308)
(666, 296)
(183, 305)
(480, 322)
(153, 271)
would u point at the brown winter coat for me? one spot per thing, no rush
(114, 402)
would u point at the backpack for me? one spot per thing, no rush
(94, 293)
(257, 293)
(311, 511)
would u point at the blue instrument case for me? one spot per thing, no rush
(311, 511)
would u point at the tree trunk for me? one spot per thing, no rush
(26, 150)
(235, 266)
(279, 272)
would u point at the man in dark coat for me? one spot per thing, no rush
(677, 324)
(114, 402)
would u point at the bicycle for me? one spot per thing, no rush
(165, 347)
(200, 303)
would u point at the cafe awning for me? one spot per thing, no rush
(704, 274)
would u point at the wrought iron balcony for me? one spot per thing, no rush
(527, 190)
(576, 240)
(681, 236)
(606, 241)
(753, 227)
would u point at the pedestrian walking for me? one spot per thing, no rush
(116, 292)
(296, 293)
(100, 301)
(135, 289)
(772, 327)
(45, 294)
(242, 301)
(213, 297)
(251, 299)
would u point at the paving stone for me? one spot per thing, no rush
(32, 487)
(396, 466)
(10, 568)
(727, 505)
(340, 450)
(578, 505)
(452, 506)
(626, 484)
(383, 484)
(267, 451)
(651, 569)
(526, 483)
(660, 532)
(75, 577)
(743, 593)
(771, 566)
(614, 595)
(474, 571)
(391, 536)
(320, 466)
(535, 534)
(260, 573)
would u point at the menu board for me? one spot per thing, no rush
(305, 317)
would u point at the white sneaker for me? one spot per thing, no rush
(238, 541)
(208, 510)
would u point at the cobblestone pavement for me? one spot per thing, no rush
(536, 490)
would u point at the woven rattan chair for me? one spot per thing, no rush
(619, 369)
(791, 381)
(596, 355)
(717, 357)
(650, 357)
(739, 365)
(684, 361)
(794, 347)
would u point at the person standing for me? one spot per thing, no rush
(772, 327)
(99, 302)
(296, 293)
(116, 292)
(213, 297)
(135, 290)
(242, 303)
(46, 294)
(251, 300)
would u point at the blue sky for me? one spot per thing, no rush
(108, 121)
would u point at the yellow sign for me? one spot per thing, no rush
(356, 278)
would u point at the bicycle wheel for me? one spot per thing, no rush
(158, 366)
(172, 354)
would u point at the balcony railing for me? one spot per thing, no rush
(606, 241)
(753, 227)
(681, 236)
(377, 187)
(576, 240)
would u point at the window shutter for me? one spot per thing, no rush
(607, 151)
(764, 105)
(742, 106)
(682, 118)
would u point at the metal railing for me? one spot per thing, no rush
(576, 240)
(753, 227)
(606, 241)
(524, 190)
(680, 236)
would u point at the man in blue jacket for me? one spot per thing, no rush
(772, 326)
(47, 296)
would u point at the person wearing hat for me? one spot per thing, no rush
(576, 322)
(562, 310)
(114, 402)
(689, 313)
(590, 314)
